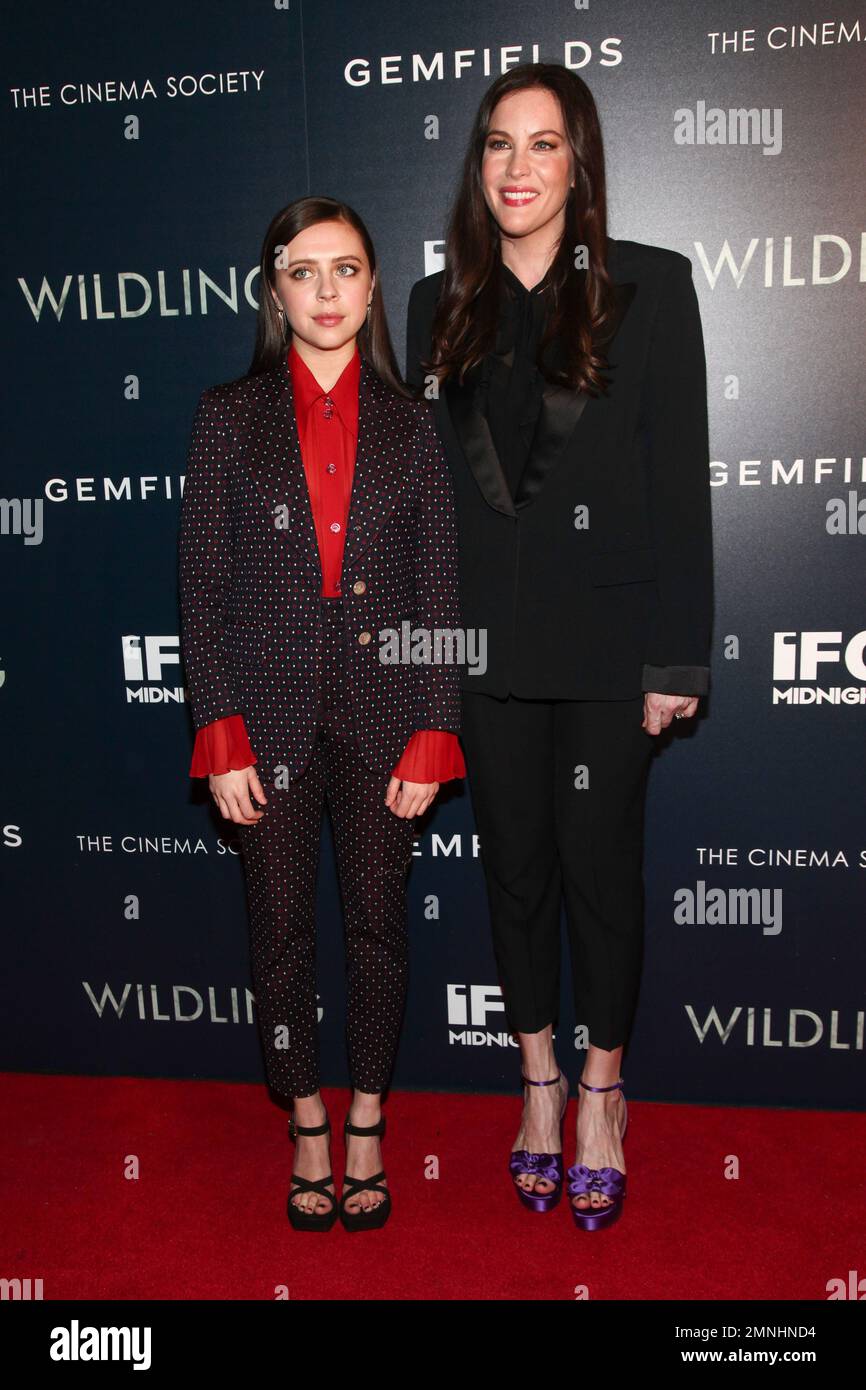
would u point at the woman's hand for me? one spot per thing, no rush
(659, 710)
(231, 792)
(409, 798)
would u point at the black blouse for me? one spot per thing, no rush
(510, 384)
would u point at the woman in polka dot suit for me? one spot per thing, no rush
(318, 513)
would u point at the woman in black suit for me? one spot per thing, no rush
(318, 516)
(567, 373)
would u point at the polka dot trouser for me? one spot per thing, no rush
(280, 855)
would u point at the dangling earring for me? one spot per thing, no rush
(282, 313)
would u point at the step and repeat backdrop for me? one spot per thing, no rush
(147, 148)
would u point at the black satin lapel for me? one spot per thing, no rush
(477, 444)
(561, 409)
(273, 458)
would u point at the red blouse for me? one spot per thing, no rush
(328, 433)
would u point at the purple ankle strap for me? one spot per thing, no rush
(615, 1085)
(540, 1083)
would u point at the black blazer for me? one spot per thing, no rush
(250, 576)
(623, 604)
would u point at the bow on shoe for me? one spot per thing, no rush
(547, 1166)
(609, 1181)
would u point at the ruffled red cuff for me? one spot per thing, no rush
(220, 747)
(431, 755)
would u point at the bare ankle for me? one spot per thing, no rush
(366, 1107)
(309, 1110)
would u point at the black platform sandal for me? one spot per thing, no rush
(361, 1220)
(314, 1220)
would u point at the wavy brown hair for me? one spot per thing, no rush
(374, 339)
(464, 326)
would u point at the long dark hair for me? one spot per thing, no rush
(464, 326)
(374, 340)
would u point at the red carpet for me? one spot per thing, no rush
(206, 1216)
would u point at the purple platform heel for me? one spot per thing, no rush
(608, 1181)
(547, 1166)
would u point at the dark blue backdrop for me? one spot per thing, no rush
(125, 929)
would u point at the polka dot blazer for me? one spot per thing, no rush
(250, 575)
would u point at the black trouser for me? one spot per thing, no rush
(543, 831)
(281, 854)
